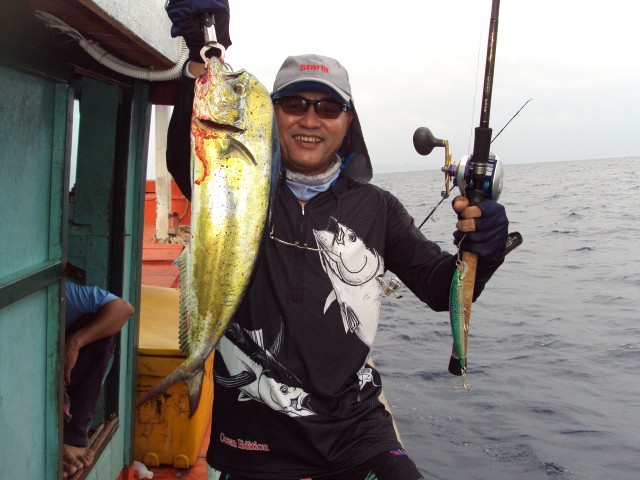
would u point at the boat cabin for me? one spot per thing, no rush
(74, 138)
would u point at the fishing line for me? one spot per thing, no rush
(473, 113)
(475, 94)
(431, 212)
(507, 124)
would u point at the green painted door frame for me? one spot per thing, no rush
(105, 235)
(104, 238)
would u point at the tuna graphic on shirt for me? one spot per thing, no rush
(355, 272)
(253, 369)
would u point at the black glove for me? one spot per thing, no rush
(186, 17)
(492, 228)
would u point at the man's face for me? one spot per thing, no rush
(308, 143)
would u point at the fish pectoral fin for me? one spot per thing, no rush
(330, 299)
(244, 151)
(236, 381)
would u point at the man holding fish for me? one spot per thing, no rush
(295, 396)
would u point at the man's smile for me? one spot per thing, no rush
(302, 138)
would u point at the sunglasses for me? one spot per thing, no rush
(298, 106)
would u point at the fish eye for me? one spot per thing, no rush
(284, 389)
(238, 88)
(352, 236)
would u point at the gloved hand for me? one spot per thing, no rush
(481, 228)
(186, 17)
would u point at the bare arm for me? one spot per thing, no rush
(108, 321)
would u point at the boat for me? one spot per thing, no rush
(75, 137)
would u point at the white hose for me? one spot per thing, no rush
(112, 62)
(124, 68)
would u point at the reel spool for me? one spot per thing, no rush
(461, 173)
(493, 178)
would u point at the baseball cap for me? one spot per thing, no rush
(309, 70)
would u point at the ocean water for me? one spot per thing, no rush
(554, 347)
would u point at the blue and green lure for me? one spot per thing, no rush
(459, 328)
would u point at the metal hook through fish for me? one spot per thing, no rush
(209, 46)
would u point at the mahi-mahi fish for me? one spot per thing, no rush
(234, 167)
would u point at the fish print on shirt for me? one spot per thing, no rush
(252, 369)
(355, 272)
(365, 375)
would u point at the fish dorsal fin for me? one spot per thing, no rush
(185, 298)
(256, 336)
(277, 343)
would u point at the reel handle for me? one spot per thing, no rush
(424, 141)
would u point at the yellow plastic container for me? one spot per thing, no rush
(165, 435)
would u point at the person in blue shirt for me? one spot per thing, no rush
(92, 318)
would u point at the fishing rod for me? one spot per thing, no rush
(507, 124)
(475, 189)
(476, 181)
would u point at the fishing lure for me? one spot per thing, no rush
(459, 328)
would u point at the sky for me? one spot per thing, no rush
(415, 63)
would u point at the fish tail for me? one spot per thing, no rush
(192, 372)
(194, 385)
(180, 373)
(455, 366)
(194, 381)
